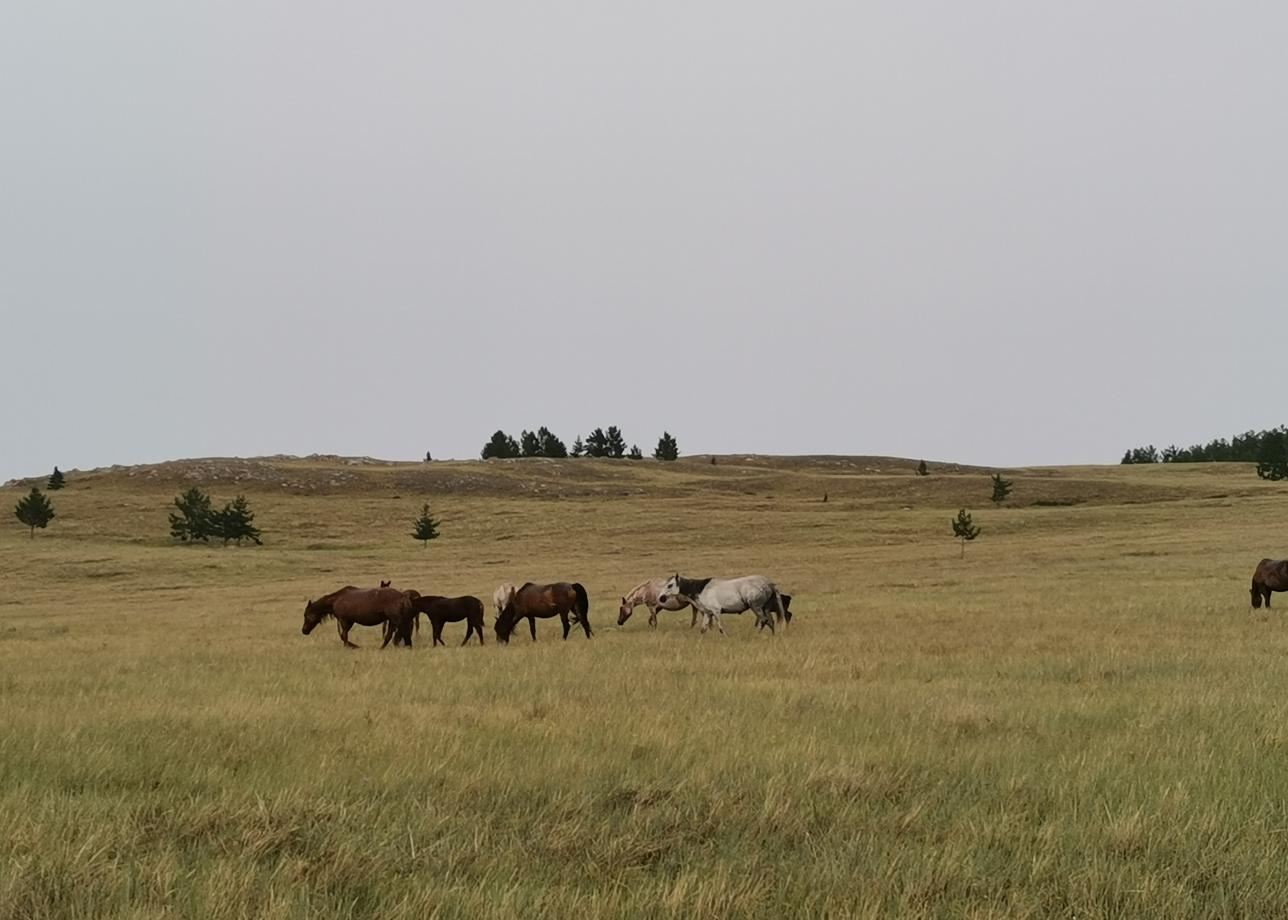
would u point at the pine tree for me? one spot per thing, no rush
(597, 443)
(1272, 458)
(551, 446)
(529, 444)
(666, 448)
(35, 510)
(578, 448)
(196, 518)
(964, 529)
(616, 443)
(426, 526)
(635, 453)
(236, 522)
(56, 480)
(1001, 488)
(428, 458)
(502, 447)
(922, 470)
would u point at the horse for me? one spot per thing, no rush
(365, 607)
(440, 610)
(501, 596)
(532, 601)
(713, 596)
(1271, 575)
(646, 594)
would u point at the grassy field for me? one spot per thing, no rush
(1080, 718)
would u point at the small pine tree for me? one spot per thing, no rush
(578, 448)
(195, 519)
(501, 446)
(426, 526)
(1001, 488)
(597, 443)
(236, 522)
(922, 469)
(616, 443)
(428, 458)
(56, 480)
(35, 510)
(635, 453)
(666, 448)
(964, 529)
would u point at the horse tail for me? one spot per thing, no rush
(1256, 595)
(583, 602)
(778, 602)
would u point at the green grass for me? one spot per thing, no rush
(1080, 718)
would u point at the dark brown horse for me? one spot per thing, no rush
(364, 607)
(1271, 575)
(533, 601)
(440, 610)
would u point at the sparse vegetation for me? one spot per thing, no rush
(235, 523)
(34, 510)
(667, 448)
(1001, 488)
(426, 526)
(193, 520)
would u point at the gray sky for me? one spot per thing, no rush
(998, 232)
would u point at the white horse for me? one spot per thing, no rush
(713, 596)
(502, 595)
(647, 594)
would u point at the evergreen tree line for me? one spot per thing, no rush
(599, 443)
(1249, 447)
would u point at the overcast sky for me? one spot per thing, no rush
(998, 232)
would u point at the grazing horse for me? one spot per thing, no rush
(501, 596)
(713, 596)
(365, 607)
(647, 594)
(440, 610)
(532, 601)
(1271, 575)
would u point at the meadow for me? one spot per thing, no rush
(1080, 718)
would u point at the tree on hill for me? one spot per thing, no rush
(236, 522)
(597, 443)
(1272, 459)
(964, 529)
(635, 453)
(529, 444)
(34, 510)
(1001, 488)
(501, 446)
(666, 448)
(56, 480)
(428, 458)
(551, 446)
(616, 443)
(922, 470)
(195, 519)
(426, 526)
(578, 448)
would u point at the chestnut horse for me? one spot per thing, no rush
(364, 607)
(544, 601)
(1271, 575)
(440, 610)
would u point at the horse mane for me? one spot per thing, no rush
(691, 587)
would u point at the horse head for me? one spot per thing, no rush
(314, 613)
(385, 584)
(670, 590)
(503, 625)
(624, 612)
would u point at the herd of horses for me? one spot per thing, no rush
(398, 612)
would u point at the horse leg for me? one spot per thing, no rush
(469, 631)
(652, 616)
(585, 624)
(532, 626)
(563, 618)
(390, 631)
(693, 620)
(343, 628)
(438, 632)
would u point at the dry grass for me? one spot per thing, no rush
(1081, 718)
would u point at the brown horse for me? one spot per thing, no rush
(1271, 575)
(364, 607)
(533, 601)
(440, 610)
